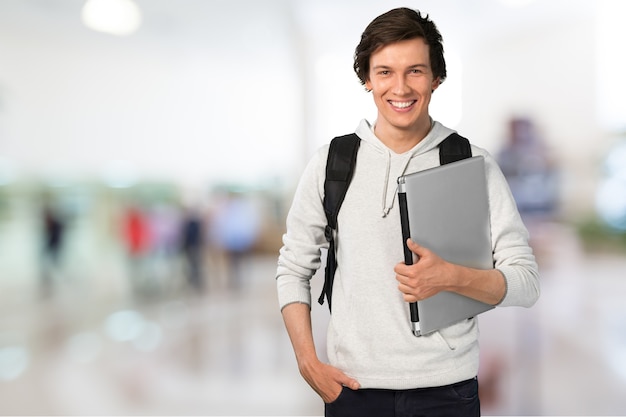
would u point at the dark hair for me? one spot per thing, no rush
(398, 25)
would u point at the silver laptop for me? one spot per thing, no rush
(446, 210)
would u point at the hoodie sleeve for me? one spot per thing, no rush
(513, 256)
(299, 257)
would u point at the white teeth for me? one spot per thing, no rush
(401, 104)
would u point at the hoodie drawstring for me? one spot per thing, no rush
(386, 209)
(388, 205)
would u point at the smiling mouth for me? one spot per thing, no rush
(402, 104)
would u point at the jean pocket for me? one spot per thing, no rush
(466, 390)
(338, 399)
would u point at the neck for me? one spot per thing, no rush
(401, 140)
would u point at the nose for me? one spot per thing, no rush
(400, 86)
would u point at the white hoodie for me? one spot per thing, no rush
(369, 335)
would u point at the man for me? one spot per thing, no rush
(377, 367)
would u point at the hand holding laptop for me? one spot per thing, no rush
(428, 275)
(433, 274)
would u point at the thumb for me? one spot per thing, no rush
(415, 248)
(349, 382)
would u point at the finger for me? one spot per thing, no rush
(401, 270)
(406, 292)
(351, 383)
(409, 298)
(415, 248)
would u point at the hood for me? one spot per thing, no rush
(396, 164)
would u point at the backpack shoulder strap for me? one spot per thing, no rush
(454, 148)
(339, 169)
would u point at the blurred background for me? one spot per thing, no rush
(149, 150)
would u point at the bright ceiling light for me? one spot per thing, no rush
(116, 17)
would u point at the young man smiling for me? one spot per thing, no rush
(377, 367)
(402, 82)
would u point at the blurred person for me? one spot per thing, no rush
(163, 221)
(530, 172)
(192, 247)
(533, 177)
(235, 228)
(53, 235)
(137, 240)
(377, 366)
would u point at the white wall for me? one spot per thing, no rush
(222, 103)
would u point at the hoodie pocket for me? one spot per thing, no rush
(460, 335)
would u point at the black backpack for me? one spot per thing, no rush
(339, 169)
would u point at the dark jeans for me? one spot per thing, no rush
(460, 399)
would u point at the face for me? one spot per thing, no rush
(401, 81)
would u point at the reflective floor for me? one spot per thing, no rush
(95, 344)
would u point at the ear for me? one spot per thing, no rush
(436, 83)
(368, 85)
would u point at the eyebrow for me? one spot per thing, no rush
(410, 66)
